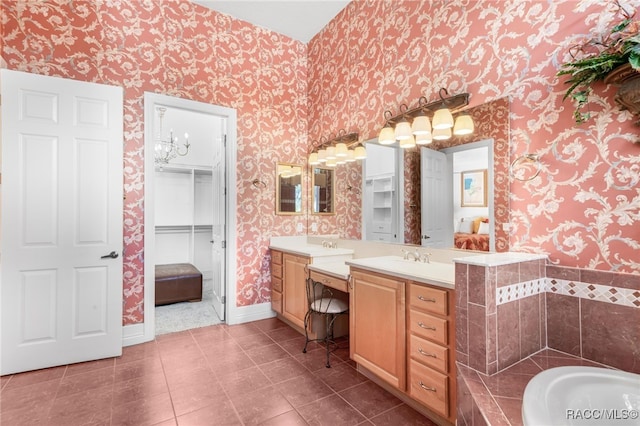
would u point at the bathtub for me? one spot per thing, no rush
(582, 396)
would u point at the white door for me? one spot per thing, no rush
(218, 237)
(61, 275)
(436, 199)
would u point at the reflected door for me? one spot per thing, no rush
(61, 273)
(436, 198)
(218, 237)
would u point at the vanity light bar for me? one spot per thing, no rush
(340, 149)
(412, 126)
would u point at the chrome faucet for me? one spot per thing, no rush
(425, 257)
(414, 255)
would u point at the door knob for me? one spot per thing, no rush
(112, 255)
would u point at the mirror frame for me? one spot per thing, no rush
(313, 193)
(278, 201)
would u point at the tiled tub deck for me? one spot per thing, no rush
(497, 400)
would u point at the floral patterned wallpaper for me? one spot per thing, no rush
(584, 207)
(180, 49)
(375, 55)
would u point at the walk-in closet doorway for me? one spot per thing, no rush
(188, 217)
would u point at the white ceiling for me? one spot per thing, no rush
(298, 19)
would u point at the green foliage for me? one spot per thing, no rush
(594, 59)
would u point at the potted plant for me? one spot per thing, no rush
(614, 52)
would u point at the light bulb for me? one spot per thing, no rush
(441, 134)
(421, 125)
(403, 130)
(463, 125)
(442, 119)
(386, 136)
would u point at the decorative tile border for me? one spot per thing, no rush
(521, 290)
(602, 293)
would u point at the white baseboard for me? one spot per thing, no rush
(133, 334)
(242, 314)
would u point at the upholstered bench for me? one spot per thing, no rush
(178, 282)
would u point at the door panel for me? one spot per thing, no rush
(218, 236)
(437, 199)
(60, 294)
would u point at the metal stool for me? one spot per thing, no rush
(322, 302)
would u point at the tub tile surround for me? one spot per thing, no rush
(516, 319)
(497, 399)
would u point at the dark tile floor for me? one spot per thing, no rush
(248, 374)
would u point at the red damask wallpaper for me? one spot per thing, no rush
(582, 210)
(584, 207)
(181, 49)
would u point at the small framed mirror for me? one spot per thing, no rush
(288, 189)
(322, 189)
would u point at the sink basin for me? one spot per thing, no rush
(582, 396)
(434, 272)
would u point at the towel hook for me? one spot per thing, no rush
(257, 183)
(526, 159)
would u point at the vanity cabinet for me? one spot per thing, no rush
(430, 358)
(377, 324)
(276, 281)
(294, 293)
(408, 342)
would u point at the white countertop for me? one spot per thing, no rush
(497, 259)
(334, 269)
(303, 248)
(434, 273)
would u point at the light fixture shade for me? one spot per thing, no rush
(331, 162)
(442, 119)
(403, 130)
(441, 134)
(341, 150)
(387, 136)
(408, 143)
(322, 156)
(463, 125)
(421, 125)
(313, 159)
(351, 156)
(360, 152)
(331, 153)
(424, 139)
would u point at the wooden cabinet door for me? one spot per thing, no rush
(294, 295)
(378, 326)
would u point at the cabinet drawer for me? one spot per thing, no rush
(276, 301)
(276, 271)
(429, 387)
(381, 227)
(429, 353)
(428, 299)
(276, 257)
(276, 284)
(376, 236)
(329, 281)
(428, 326)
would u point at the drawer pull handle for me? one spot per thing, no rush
(427, 388)
(426, 327)
(426, 353)
(424, 299)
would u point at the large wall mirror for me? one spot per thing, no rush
(322, 190)
(491, 134)
(288, 189)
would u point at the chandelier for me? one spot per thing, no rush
(335, 150)
(413, 127)
(166, 149)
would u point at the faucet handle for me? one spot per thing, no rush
(405, 254)
(425, 257)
